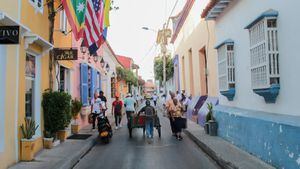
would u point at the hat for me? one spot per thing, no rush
(128, 94)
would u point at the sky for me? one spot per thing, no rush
(126, 35)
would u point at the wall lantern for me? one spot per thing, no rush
(107, 67)
(102, 63)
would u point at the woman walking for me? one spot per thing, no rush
(177, 118)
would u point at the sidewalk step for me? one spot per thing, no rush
(225, 154)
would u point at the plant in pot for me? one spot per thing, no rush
(57, 113)
(75, 109)
(27, 141)
(211, 124)
(48, 140)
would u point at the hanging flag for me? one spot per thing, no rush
(92, 31)
(75, 10)
(106, 13)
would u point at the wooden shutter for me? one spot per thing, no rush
(84, 83)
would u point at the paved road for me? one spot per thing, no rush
(135, 153)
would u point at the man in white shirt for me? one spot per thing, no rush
(154, 98)
(96, 105)
(178, 96)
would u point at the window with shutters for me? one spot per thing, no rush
(84, 88)
(37, 4)
(226, 68)
(264, 55)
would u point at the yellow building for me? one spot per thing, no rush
(194, 40)
(24, 74)
(195, 59)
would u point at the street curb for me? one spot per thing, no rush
(212, 154)
(73, 159)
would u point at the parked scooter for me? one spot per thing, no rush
(104, 129)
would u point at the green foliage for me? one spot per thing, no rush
(127, 75)
(28, 130)
(76, 107)
(209, 115)
(158, 68)
(57, 110)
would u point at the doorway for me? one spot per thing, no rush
(203, 72)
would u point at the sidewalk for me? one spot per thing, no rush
(63, 156)
(225, 154)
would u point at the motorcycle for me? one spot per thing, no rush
(104, 129)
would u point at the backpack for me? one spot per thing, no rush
(118, 108)
(149, 111)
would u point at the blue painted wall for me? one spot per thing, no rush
(271, 137)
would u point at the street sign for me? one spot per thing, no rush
(9, 34)
(65, 53)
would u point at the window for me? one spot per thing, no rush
(63, 26)
(64, 79)
(30, 83)
(37, 4)
(226, 69)
(264, 53)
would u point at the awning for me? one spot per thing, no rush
(31, 38)
(8, 21)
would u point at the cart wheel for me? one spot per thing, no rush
(159, 132)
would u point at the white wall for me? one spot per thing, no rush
(3, 56)
(231, 25)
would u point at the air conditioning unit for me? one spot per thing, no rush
(63, 26)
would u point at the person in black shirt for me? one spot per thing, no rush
(103, 99)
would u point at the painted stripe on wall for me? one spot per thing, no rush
(3, 56)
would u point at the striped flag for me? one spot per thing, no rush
(75, 10)
(92, 31)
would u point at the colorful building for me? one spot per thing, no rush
(258, 82)
(195, 58)
(24, 71)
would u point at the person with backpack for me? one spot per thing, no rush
(150, 114)
(117, 111)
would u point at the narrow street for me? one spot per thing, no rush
(135, 153)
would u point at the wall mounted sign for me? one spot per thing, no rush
(65, 54)
(9, 34)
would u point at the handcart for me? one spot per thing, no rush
(138, 121)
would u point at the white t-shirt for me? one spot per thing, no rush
(96, 105)
(154, 97)
(178, 97)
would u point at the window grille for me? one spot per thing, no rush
(264, 53)
(226, 69)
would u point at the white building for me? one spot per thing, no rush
(257, 44)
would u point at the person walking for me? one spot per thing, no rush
(176, 116)
(95, 108)
(170, 108)
(129, 104)
(155, 98)
(104, 102)
(150, 113)
(117, 111)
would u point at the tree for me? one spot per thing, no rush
(158, 68)
(127, 75)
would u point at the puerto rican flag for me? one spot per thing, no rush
(93, 29)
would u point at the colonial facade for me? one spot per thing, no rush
(195, 58)
(24, 73)
(257, 73)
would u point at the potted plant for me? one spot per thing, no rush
(211, 124)
(48, 140)
(27, 141)
(57, 113)
(75, 109)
